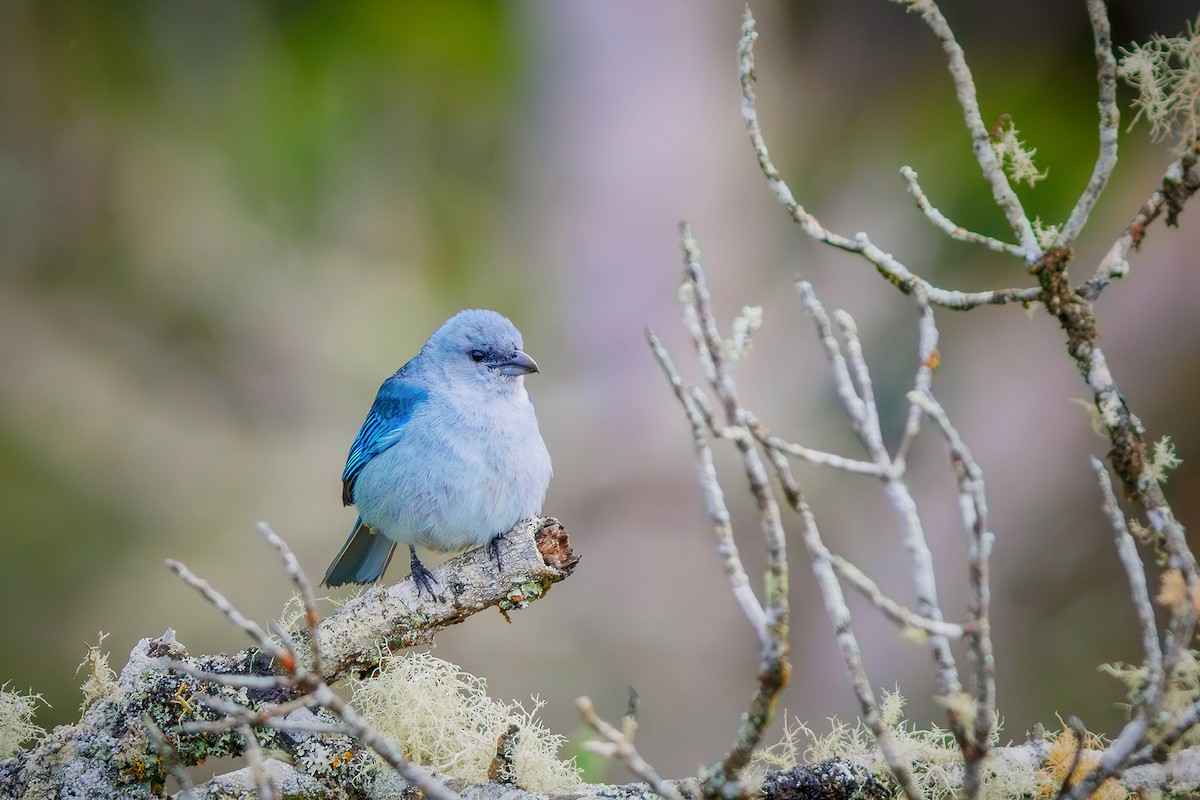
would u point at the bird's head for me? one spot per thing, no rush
(481, 347)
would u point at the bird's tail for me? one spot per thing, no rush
(362, 559)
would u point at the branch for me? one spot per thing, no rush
(114, 755)
(981, 140)
(1110, 119)
(887, 265)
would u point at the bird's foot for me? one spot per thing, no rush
(423, 578)
(494, 549)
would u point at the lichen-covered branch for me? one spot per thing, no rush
(112, 753)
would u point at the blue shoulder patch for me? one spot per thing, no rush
(393, 407)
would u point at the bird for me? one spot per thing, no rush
(449, 457)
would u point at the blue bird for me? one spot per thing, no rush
(449, 456)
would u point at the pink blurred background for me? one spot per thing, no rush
(221, 226)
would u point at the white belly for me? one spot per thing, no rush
(454, 480)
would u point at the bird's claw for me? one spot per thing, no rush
(494, 549)
(424, 579)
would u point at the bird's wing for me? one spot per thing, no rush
(393, 407)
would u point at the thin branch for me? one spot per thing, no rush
(170, 758)
(947, 226)
(254, 757)
(1179, 182)
(820, 457)
(617, 745)
(843, 628)
(1110, 118)
(1139, 591)
(251, 628)
(1076, 727)
(311, 616)
(972, 503)
(904, 617)
(774, 667)
(854, 387)
(714, 497)
(892, 269)
(930, 359)
(981, 142)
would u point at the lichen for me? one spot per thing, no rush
(101, 680)
(17, 711)
(935, 758)
(1166, 73)
(442, 718)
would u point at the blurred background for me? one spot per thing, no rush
(223, 225)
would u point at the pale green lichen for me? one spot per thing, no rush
(17, 711)
(101, 680)
(1016, 157)
(1163, 459)
(1182, 691)
(1166, 73)
(442, 718)
(935, 758)
(1046, 233)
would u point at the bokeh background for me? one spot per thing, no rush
(222, 225)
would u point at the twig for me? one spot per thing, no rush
(774, 668)
(843, 629)
(902, 616)
(617, 745)
(1076, 727)
(170, 758)
(1110, 118)
(1179, 183)
(930, 359)
(853, 382)
(892, 269)
(714, 497)
(981, 143)
(254, 757)
(1139, 592)
(972, 503)
(251, 628)
(308, 687)
(949, 227)
(820, 457)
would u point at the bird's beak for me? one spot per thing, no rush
(519, 364)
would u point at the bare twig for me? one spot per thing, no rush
(949, 227)
(308, 687)
(249, 626)
(170, 758)
(714, 497)
(1110, 118)
(853, 382)
(972, 503)
(1135, 573)
(774, 668)
(930, 359)
(1179, 182)
(616, 745)
(1076, 727)
(892, 269)
(254, 757)
(981, 143)
(902, 616)
(839, 615)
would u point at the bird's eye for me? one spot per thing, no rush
(476, 356)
